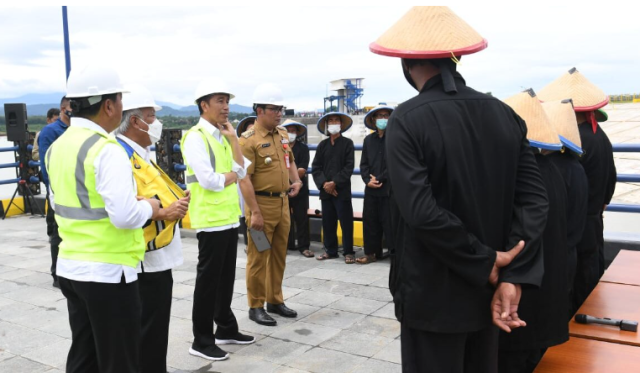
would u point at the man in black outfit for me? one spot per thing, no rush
(544, 309)
(373, 169)
(299, 204)
(332, 168)
(465, 188)
(599, 167)
(563, 118)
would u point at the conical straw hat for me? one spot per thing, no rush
(368, 119)
(563, 119)
(300, 128)
(244, 123)
(585, 95)
(540, 132)
(346, 120)
(429, 32)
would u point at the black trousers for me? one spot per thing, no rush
(243, 229)
(299, 223)
(524, 361)
(105, 326)
(588, 267)
(427, 352)
(600, 244)
(376, 224)
(334, 209)
(212, 296)
(155, 296)
(54, 238)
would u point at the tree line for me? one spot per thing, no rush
(36, 122)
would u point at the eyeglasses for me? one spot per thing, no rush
(277, 109)
(381, 116)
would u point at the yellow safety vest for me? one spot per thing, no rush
(152, 182)
(210, 209)
(86, 231)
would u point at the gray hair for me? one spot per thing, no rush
(126, 120)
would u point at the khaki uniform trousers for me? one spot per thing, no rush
(265, 270)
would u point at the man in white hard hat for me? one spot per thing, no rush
(138, 131)
(100, 223)
(214, 165)
(265, 191)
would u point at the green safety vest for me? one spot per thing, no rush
(85, 229)
(210, 209)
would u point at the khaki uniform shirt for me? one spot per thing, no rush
(266, 150)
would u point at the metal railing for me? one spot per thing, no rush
(617, 148)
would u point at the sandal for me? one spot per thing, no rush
(307, 253)
(366, 259)
(325, 256)
(349, 259)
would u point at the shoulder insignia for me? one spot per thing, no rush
(249, 133)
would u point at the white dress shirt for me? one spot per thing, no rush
(112, 173)
(196, 153)
(169, 256)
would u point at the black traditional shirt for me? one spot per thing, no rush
(464, 183)
(334, 163)
(374, 162)
(301, 154)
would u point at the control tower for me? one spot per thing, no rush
(348, 95)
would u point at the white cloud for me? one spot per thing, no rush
(302, 48)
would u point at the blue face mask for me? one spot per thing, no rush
(381, 124)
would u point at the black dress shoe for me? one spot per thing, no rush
(281, 310)
(261, 317)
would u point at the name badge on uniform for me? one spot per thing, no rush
(284, 141)
(265, 145)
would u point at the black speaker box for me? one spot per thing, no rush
(16, 119)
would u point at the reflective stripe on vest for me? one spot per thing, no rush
(152, 182)
(212, 159)
(209, 209)
(85, 228)
(84, 212)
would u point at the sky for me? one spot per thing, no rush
(303, 48)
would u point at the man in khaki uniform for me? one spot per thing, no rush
(265, 190)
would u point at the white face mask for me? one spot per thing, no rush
(155, 130)
(334, 129)
(292, 137)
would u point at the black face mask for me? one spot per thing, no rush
(407, 76)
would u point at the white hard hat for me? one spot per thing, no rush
(93, 80)
(268, 94)
(210, 86)
(138, 97)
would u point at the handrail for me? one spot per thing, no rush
(626, 148)
(617, 148)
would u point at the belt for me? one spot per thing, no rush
(272, 194)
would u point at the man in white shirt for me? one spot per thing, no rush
(139, 130)
(214, 165)
(100, 223)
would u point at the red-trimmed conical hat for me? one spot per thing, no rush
(427, 32)
(585, 95)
